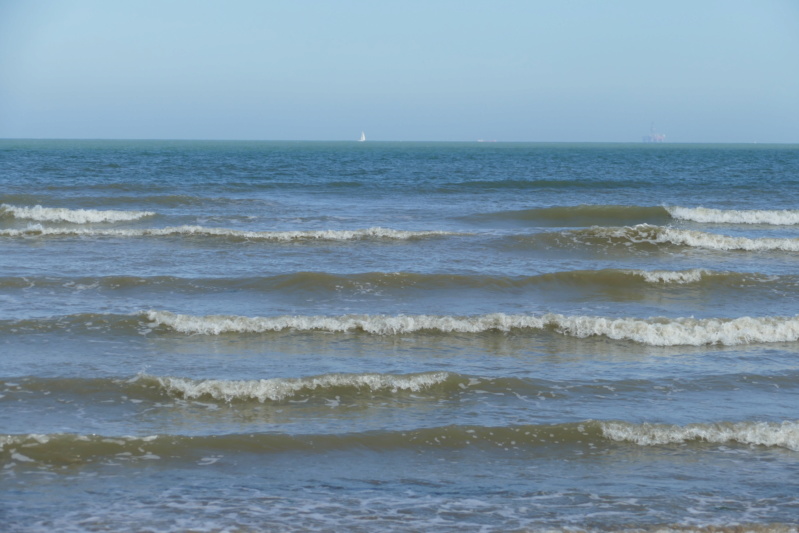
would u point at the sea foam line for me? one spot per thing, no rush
(784, 217)
(75, 216)
(321, 235)
(652, 331)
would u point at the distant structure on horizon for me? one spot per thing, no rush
(654, 137)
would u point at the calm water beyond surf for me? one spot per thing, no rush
(278, 336)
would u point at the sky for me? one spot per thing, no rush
(409, 70)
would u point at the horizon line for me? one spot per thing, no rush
(476, 141)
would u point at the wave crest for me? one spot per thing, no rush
(279, 389)
(652, 332)
(284, 236)
(678, 277)
(38, 449)
(649, 234)
(74, 216)
(784, 217)
(783, 435)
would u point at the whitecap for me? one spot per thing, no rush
(284, 236)
(651, 331)
(277, 389)
(647, 233)
(75, 216)
(672, 276)
(784, 434)
(784, 217)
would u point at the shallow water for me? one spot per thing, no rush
(238, 336)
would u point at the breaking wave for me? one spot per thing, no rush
(652, 332)
(782, 435)
(37, 449)
(680, 276)
(360, 388)
(657, 235)
(74, 216)
(279, 389)
(784, 217)
(201, 231)
(656, 331)
(580, 215)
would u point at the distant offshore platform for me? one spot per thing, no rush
(654, 137)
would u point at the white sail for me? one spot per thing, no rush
(363, 137)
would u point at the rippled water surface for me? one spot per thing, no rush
(246, 336)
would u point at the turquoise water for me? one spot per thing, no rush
(247, 336)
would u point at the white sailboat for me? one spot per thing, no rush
(363, 137)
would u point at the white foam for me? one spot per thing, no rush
(21, 458)
(684, 331)
(697, 239)
(783, 217)
(9, 441)
(322, 235)
(784, 434)
(75, 216)
(377, 324)
(278, 389)
(671, 276)
(652, 331)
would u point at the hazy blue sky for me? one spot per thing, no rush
(510, 70)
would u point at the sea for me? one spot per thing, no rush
(202, 336)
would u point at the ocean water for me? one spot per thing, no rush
(279, 336)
